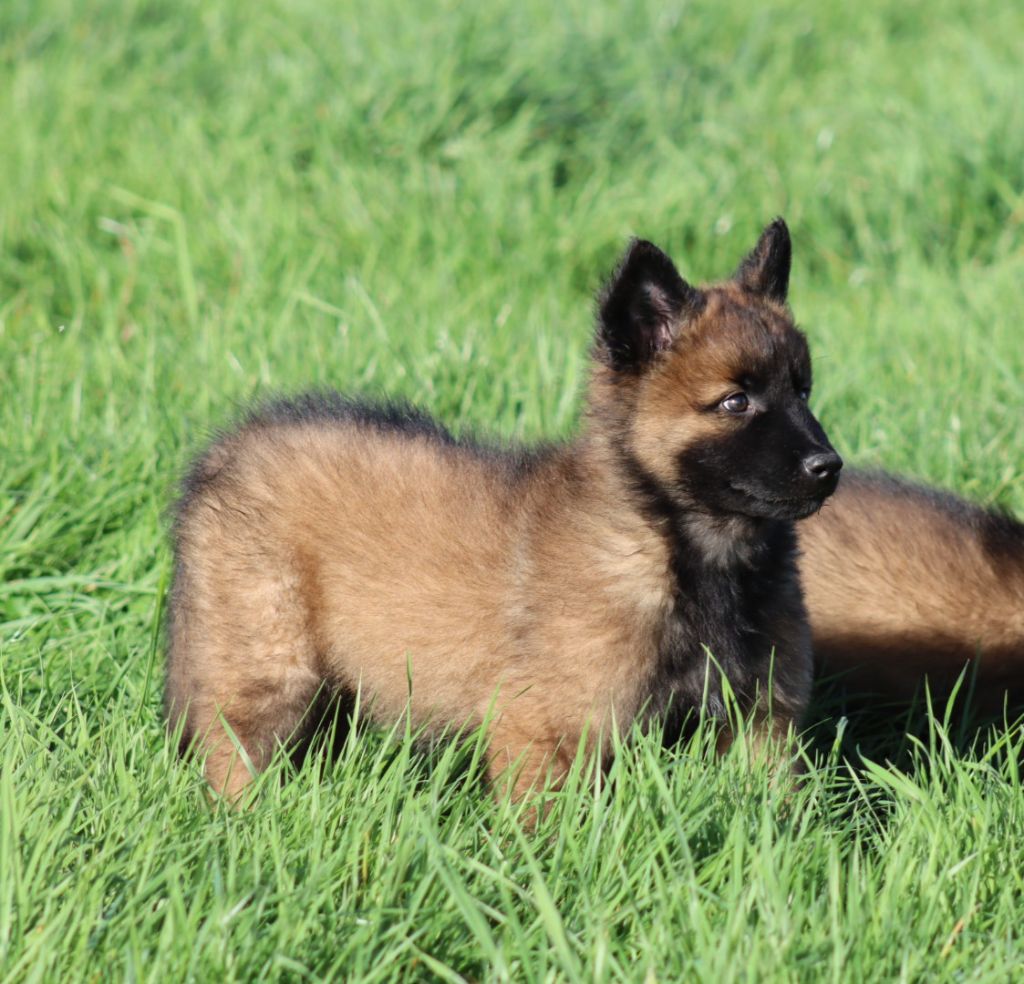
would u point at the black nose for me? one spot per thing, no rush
(823, 466)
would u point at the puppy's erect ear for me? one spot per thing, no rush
(642, 308)
(766, 268)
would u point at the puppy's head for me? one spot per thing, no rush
(716, 382)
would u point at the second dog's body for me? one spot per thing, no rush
(906, 584)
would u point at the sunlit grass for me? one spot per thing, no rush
(203, 202)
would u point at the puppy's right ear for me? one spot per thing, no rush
(765, 270)
(642, 308)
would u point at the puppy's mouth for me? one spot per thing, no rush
(801, 509)
(767, 506)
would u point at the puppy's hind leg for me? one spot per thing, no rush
(243, 729)
(243, 682)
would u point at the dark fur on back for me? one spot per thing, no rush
(325, 406)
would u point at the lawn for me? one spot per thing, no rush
(207, 201)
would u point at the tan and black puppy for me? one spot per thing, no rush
(557, 592)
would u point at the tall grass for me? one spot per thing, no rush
(203, 201)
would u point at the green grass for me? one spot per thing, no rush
(203, 201)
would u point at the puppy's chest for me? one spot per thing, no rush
(723, 623)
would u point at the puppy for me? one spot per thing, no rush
(558, 593)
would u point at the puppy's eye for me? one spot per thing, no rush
(736, 403)
(804, 392)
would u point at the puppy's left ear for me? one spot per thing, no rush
(766, 268)
(642, 309)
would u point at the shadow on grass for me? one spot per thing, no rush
(849, 738)
(336, 729)
(871, 752)
(869, 726)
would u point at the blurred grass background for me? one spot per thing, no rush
(202, 202)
